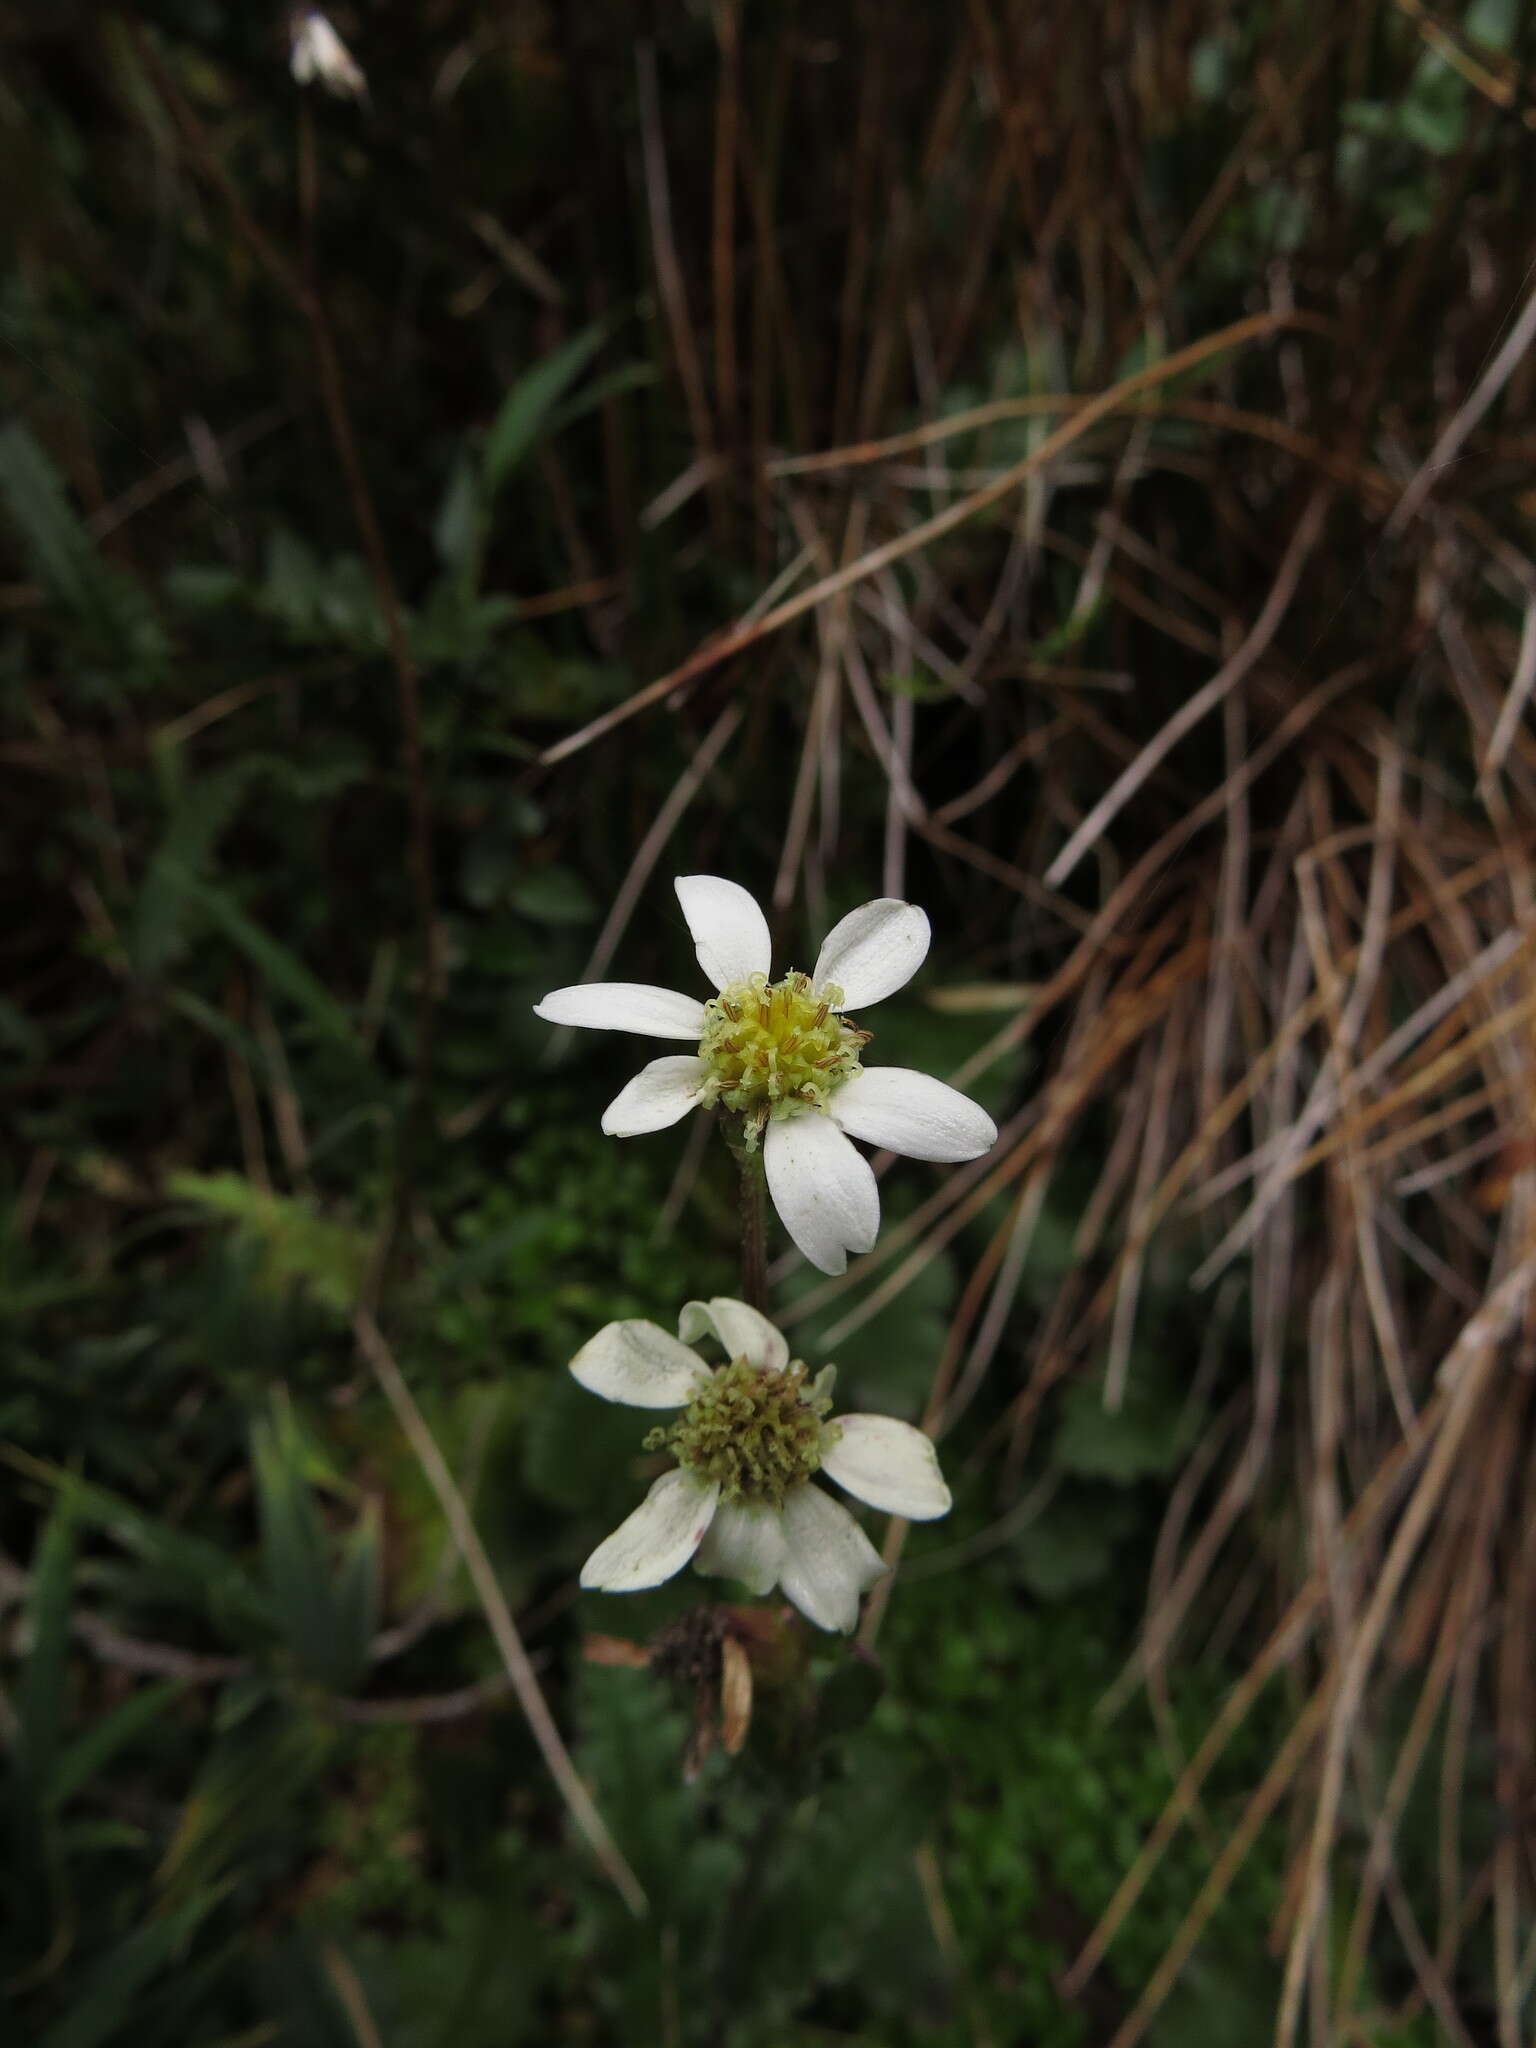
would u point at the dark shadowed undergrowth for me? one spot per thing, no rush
(1066, 465)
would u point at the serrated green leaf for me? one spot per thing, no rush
(201, 812)
(62, 553)
(111, 609)
(297, 1247)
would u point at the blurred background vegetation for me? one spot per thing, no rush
(1067, 465)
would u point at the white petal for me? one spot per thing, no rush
(639, 1364)
(828, 1560)
(742, 1330)
(889, 1464)
(658, 1538)
(823, 1190)
(875, 950)
(624, 1006)
(743, 1543)
(913, 1114)
(729, 931)
(658, 1095)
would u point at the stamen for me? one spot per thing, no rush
(776, 1048)
(752, 1432)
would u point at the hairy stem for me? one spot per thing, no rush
(754, 1231)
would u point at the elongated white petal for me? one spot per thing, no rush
(624, 1006)
(744, 1332)
(828, 1560)
(823, 1190)
(873, 951)
(639, 1364)
(911, 1113)
(658, 1095)
(744, 1543)
(889, 1464)
(729, 931)
(657, 1539)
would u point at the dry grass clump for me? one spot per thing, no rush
(1263, 850)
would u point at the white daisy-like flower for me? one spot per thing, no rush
(317, 54)
(739, 1502)
(784, 1057)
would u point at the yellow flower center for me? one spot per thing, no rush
(755, 1433)
(775, 1047)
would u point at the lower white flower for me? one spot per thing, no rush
(739, 1502)
(784, 1058)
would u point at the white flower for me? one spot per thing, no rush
(317, 52)
(739, 1502)
(785, 1058)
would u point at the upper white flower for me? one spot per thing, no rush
(739, 1503)
(318, 53)
(784, 1056)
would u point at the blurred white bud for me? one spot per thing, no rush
(318, 53)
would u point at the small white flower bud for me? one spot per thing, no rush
(319, 54)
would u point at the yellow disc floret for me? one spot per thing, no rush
(754, 1433)
(775, 1047)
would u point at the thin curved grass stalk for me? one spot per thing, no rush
(579, 1801)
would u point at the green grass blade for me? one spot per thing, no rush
(40, 1695)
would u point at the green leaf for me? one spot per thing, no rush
(243, 1794)
(1072, 1546)
(627, 377)
(110, 608)
(297, 1247)
(282, 968)
(552, 896)
(360, 1592)
(199, 814)
(295, 1552)
(524, 412)
(1147, 1434)
(459, 525)
(106, 1997)
(849, 1697)
(62, 554)
(328, 1616)
(101, 1742)
(40, 1696)
(200, 1573)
